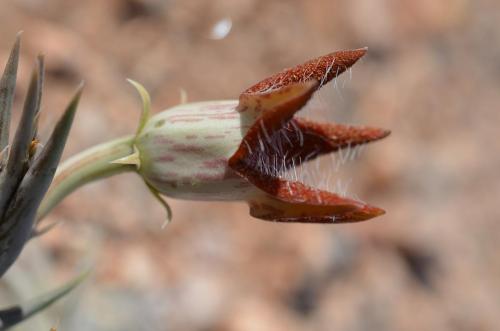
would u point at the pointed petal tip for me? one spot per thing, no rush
(377, 133)
(372, 211)
(355, 54)
(349, 57)
(379, 212)
(363, 50)
(364, 212)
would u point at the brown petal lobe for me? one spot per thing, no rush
(307, 139)
(296, 202)
(323, 69)
(286, 201)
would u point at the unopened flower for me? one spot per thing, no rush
(236, 150)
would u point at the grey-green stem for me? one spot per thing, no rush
(90, 165)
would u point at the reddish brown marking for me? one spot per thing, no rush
(186, 120)
(165, 177)
(221, 117)
(220, 107)
(184, 116)
(183, 148)
(215, 136)
(217, 113)
(162, 140)
(200, 114)
(207, 177)
(215, 164)
(164, 158)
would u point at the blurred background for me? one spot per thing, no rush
(432, 76)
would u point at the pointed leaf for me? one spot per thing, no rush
(17, 225)
(39, 176)
(7, 86)
(19, 152)
(14, 315)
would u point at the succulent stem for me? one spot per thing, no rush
(90, 165)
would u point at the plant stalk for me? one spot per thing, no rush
(85, 167)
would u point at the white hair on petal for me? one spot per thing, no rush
(329, 172)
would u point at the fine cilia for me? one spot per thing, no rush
(232, 150)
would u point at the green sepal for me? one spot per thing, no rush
(163, 202)
(146, 105)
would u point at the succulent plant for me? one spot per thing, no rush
(26, 171)
(235, 150)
